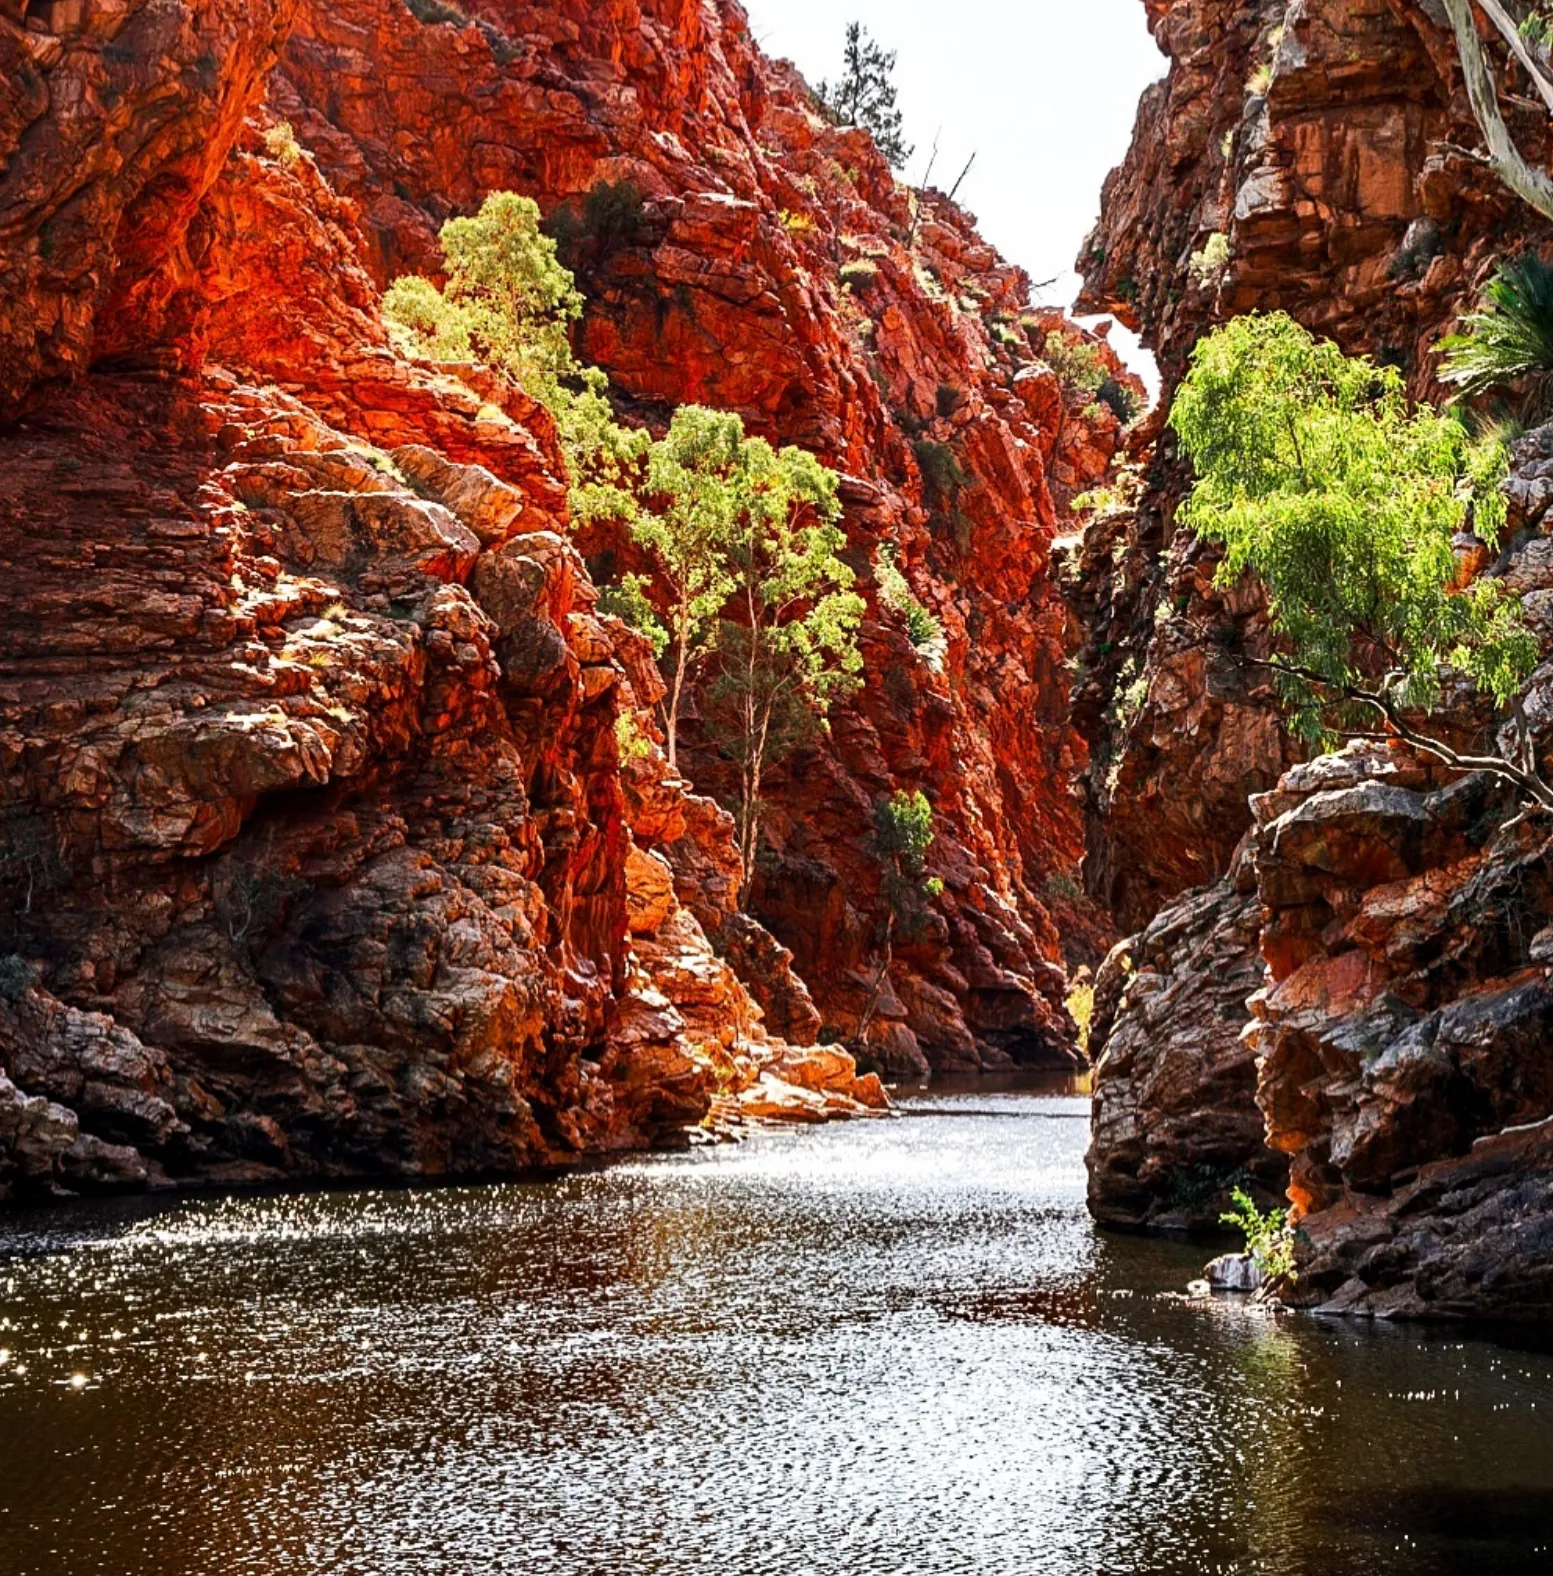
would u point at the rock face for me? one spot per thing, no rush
(737, 251)
(318, 856)
(1175, 1125)
(1323, 141)
(1319, 146)
(1390, 919)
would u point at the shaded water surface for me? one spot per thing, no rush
(889, 1348)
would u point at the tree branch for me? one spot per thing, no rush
(1532, 186)
(1528, 781)
(1512, 36)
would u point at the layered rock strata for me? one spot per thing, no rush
(318, 856)
(737, 251)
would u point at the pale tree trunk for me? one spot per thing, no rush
(1531, 185)
(866, 1021)
(677, 688)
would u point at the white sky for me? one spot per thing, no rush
(1042, 91)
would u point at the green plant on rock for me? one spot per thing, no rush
(787, 643)
(924, 631)
(17, 976)
(1315, 474)
(627, 600)
(902, 836)
(631, 742)
(511, 303)
(1508, 341)
(1081, 366)
(1269, 1237)
(611, 218)
(864, 94)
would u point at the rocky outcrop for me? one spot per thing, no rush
(1323, 144)
(1309, 158)
(1175, 1125)
(1402, 921)
(1403, 1037)
(318, 855)
(1304, 157)
(737, 251)
(114, 123)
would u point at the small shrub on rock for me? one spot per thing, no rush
(17, 977)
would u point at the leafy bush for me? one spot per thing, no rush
(1081, 366)
(1118, 399)
(280, 142)
(942, 477)
(17, 977)
(1508, 341)
(862, 274)
(948, 399)
(631, 742)
(430, 11)
(903, 830)
(628, 601)
(611, 218)
(1208, 266)
(510, 302)
(1315, 474)
(924, 631)
(1269, 1237)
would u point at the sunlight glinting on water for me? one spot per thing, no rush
(886, 1348)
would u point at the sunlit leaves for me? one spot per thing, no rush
(1317, 475)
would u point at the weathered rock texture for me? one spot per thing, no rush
(765, 269)
(1398, 1046)
(317, 853)
(1322, 143)
(1176, 1126)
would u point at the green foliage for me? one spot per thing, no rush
(1118, 399)
(17, 977)
(430, 11)
(903, 830)
(1081, 366)
(1315, 474)
(902, 836)
(1509, 339)
(510, 303)
(280, 142)
(865, 94)
(787, 643)
(1208, 266)
(1269, 1237)
(611, 218)
(924, 631)
(862, 274)
(628, 601)
(942, 477)
(630, 741)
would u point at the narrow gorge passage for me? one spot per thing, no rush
(709, 865)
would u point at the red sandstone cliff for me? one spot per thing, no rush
(316, 851)
(1391, 920)
(727, 288)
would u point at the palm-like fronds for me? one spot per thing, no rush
(1509, 339)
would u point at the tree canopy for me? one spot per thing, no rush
(864, 94)
(509, 302)
(1317, 475)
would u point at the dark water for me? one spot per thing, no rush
(889, 1348)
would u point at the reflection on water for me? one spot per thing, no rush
(889, 1348)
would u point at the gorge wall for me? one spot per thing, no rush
(1345, 987)
(317, 852)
